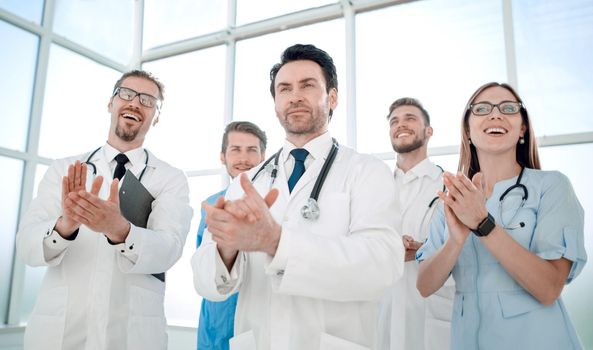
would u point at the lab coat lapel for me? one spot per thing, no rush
(281, 184)
(137, 169)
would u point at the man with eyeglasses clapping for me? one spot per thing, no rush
(107, 224)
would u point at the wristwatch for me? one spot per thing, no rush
(485, 227)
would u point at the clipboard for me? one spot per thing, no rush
(135, 203)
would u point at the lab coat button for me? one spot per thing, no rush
(131, 247)
(123, 251)
(223, 278)
(280, 273)
(55, 241)
(48, 233)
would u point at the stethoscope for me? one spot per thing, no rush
(88, 162)
(517, 184)
(310, 210)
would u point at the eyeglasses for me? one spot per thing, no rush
(145, 99)
(505, 107)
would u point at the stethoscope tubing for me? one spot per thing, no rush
(88, 162)
(314, 196)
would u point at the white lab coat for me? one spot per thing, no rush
(407, 320)
(321, 289)
(96, 295)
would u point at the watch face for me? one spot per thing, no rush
(486, 226)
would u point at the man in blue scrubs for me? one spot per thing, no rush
(243, 147)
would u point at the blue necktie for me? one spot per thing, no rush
(299, 154)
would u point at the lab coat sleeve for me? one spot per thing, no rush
(437, 235)
(358, 264)
(36, 242)
(559, 230)
(156, 248)
(212, 280)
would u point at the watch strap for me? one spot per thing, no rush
(485, 226)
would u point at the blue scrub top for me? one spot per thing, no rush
(216, 325)
(491, 310)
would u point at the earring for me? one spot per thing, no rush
(470, 141)
(521, 141)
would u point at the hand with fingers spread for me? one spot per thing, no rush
(411, 247)
(465, 198)
(245, 224)
(75, 181)
(97, 214)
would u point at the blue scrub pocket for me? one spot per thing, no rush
(517, 303)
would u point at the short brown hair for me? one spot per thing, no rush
(409, 101)
(245, 127)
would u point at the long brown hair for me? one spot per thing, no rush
(527, 155)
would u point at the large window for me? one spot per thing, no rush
(164, 23)
(19, 56)
(576, 295)
(10, 187)
(75, 104)
(256, 10)
(256, 57)
(554, 55)
(182, 303)
(440, 70)
(33, 275)
(106, 26)
(60, 59)
(191, 120)
(31, 10)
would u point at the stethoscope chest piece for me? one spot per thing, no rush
(310, 211)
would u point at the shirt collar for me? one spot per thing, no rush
(136, 156)
(318, 147)
(424, 168)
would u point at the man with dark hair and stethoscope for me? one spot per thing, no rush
(313, 256)
(105, 284)
(243, 147)
(407, 320)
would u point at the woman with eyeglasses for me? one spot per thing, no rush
(511, 234)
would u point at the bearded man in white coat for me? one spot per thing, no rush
(407, 320)
(104, 285)
(305, 281)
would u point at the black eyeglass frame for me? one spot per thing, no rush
(492, 105)
(157, 102)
